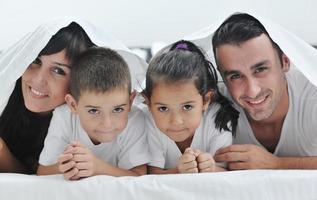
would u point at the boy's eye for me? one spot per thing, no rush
(117, 110)
(187, 107)
(59, 71)
(163, 109)
(93, 111)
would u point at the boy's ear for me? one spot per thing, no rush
(286, 63)
(207, 99)
(71, 102)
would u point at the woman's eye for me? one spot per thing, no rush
(59, 71)
(37, 61)
(93, 111)
(118, 110)
(163, 109)
(187, 107)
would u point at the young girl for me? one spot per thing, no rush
(184, 128)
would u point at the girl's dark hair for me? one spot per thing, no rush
(185, 61)
(22, 130)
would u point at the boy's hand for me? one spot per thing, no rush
(66, 165)
(85, 162)
(206, 162)
(187, 162)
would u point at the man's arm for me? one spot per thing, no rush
(248, 156)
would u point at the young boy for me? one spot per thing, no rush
(97, 132)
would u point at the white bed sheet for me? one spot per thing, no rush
(252, 184)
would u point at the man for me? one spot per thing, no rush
(278, 106)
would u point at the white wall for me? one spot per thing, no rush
(141, 22)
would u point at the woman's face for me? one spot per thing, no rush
(46, 82)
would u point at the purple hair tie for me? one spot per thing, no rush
(182, 46)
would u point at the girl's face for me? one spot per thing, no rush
(177, 109)
(46, 82)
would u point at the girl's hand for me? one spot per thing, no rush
(206, 162)
(187, 162)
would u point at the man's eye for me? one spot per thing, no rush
(59, 71)
(187, 107)
(163, 109)
(118, 110)
(234, 76)
(260, 69)
(93, 111)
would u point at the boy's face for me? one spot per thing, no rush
(102, 115)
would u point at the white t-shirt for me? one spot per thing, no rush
(164, 151)
(129, 149)
(299, 131)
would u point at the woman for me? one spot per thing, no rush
(40, 87)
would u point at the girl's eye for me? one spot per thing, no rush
(163, 109)
(118, 110)
(187, 107)
(59, 71)
(93, 111)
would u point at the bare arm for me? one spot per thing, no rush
(156, 170)
(8, 162)
(47, 170)
(249, 156)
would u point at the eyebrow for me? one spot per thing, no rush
(162, 104)
(256, 65)
(61, 64)
(90, 106)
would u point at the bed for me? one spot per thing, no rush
(251, 184)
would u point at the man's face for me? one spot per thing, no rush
(255, 77)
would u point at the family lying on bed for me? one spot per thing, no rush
(188, 124)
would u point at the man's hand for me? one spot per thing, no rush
(246, 156)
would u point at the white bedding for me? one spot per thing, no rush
(252, 184)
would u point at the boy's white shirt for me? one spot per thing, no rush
(164, 151)
(128, 150)
(15, 59)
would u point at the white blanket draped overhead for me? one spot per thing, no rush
(15, 60)
(301, 54)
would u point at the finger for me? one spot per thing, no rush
(189, 165)
(69, 174)
(208, 169)
(80, 157)
(234, 148)
(64, 158)
(84, 173)
(189, 150)
(207, 164)
(192, 170)
(187, 158)
(204, 157)
(231, 157)
(238, 165)
(197, 152)
(78, 150)
(66, 166)
(83, 165)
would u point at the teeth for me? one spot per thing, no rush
(257, 102)
(37, 92)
